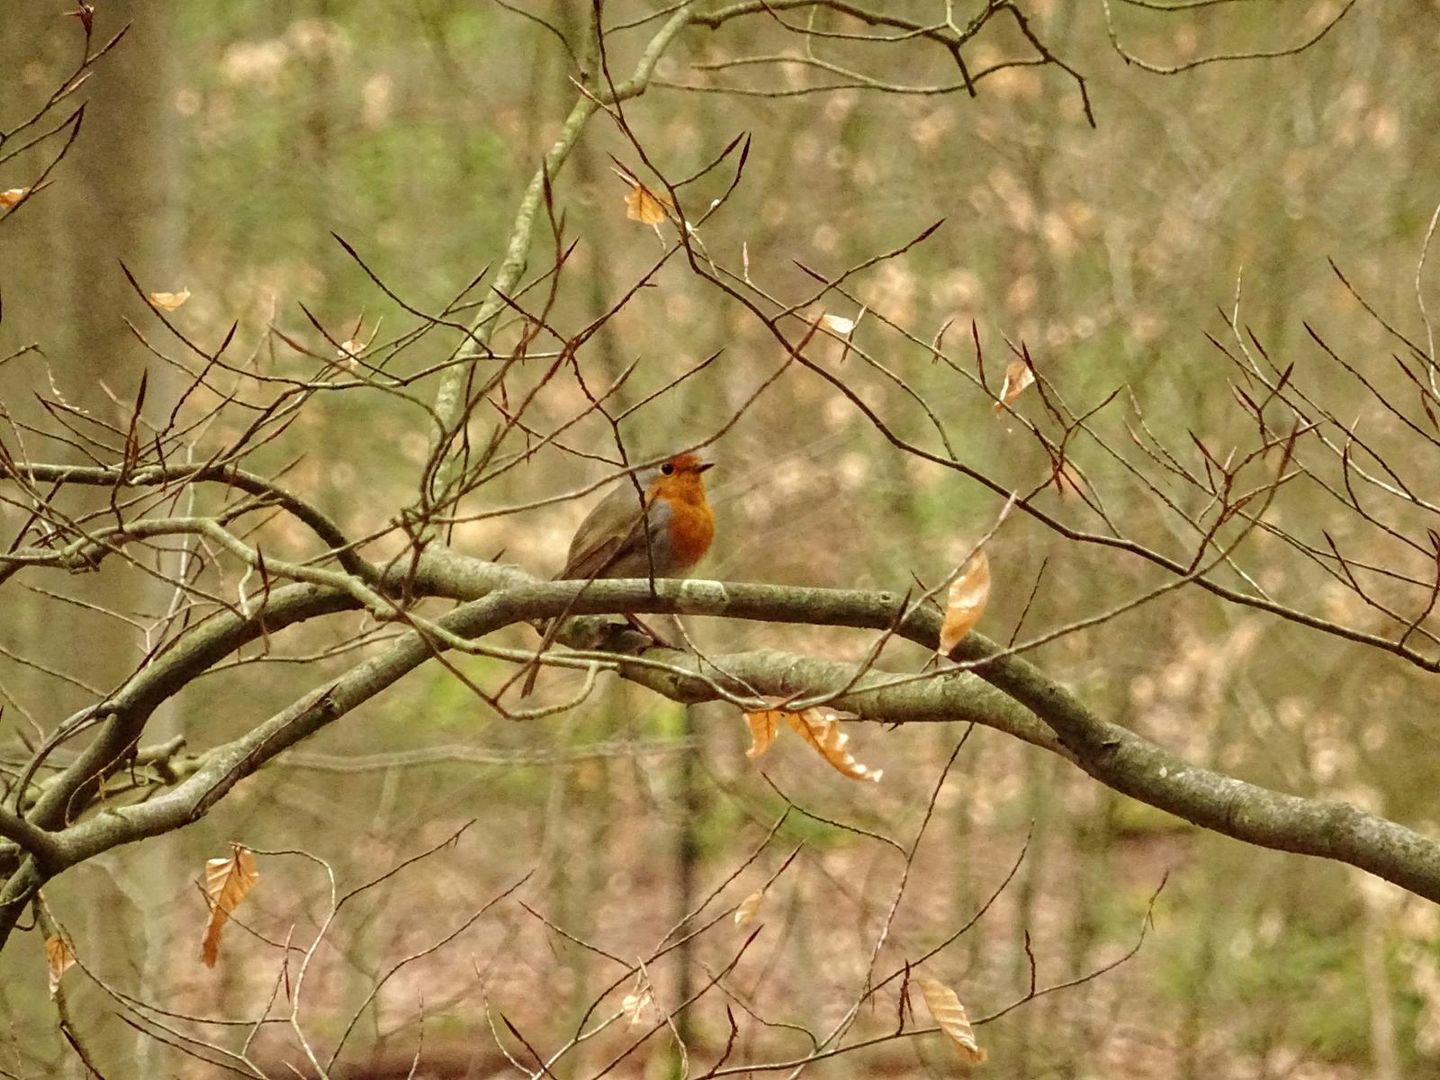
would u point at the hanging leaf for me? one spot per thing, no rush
(13, 196)
(763, 725)
(644, 206)
(951, 1018)
(169, 301)
(637, 1005)
(969, 593)
(819, 728)
(58, 960)
(354, 346)
(822, 731)
(1018, 375)
(749, 908)
(227, 882)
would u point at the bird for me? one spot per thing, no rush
(618, 539)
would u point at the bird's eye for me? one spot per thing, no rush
(667, 468)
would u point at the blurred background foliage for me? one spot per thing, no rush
(224, 143)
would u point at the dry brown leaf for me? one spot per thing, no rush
(817, 727)
(969, 593)
(643, 205)
(169, 301)
(13, 196)
(227, 882)
(1018, 376)
(58, 960)
(822, 731)
(951, 1017)
(353, 347)
(763, 725)
(749, 908)
(837, 323)
(637, 1005)
(349, 352)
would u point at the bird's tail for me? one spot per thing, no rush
(548, 631)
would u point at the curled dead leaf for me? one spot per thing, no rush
(644, 206)
(837, 323)
(1018, 375)
(58, 959)
(12, 196)
(821, 729)
(349, 353)
(749, 908)
(637, 1005)
(951, 1018)
(169, 301)
(353, 347)
(969, 593)
(763, 725)
(227, 882)
(818, 727)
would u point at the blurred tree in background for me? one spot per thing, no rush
(325, 323)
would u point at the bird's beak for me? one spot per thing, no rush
(704, 465)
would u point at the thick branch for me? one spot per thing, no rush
(1130, 764)
(34, 841)
(1117, 757)
(128, 710)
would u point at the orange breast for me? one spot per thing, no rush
(692, 527)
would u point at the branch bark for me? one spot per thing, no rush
(992, 687)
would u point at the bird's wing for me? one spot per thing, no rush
(607, 534)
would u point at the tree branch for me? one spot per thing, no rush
(1019, 700)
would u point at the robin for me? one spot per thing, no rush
(618, 539)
